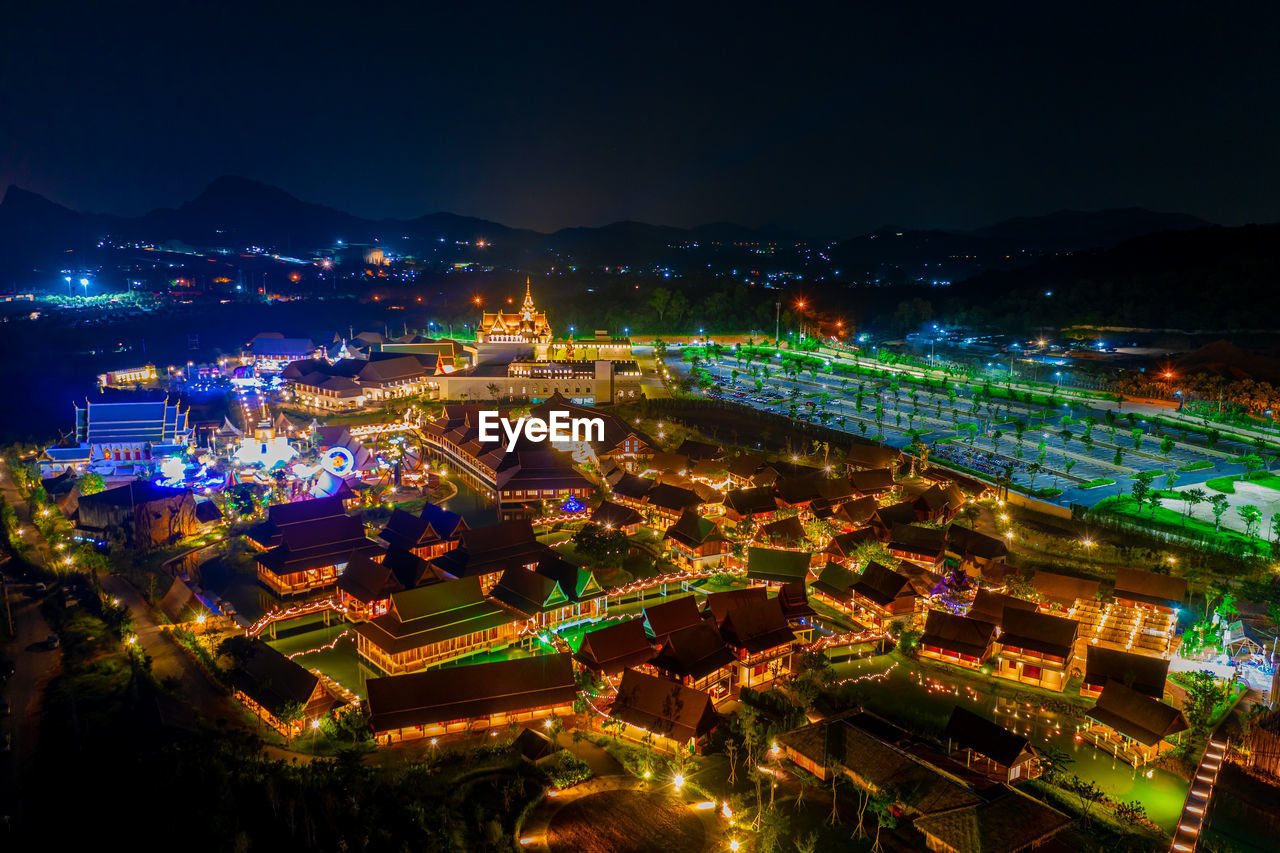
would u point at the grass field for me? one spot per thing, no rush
(626, 822)
(1226, 485)
(1171, 520)
(1198, 465)
(1098, 483)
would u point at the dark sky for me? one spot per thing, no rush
(831, 119)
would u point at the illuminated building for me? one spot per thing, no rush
(128, 377)
(115, 438)
(528, 326)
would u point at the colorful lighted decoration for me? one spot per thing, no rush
(338, 461)
(572, 505)
(173, 469)
(269, 454)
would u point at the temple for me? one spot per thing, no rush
(529, 326)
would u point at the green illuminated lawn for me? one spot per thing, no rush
(1098, 483)
(1198, 465)
(1172, 520)
(1226, 485)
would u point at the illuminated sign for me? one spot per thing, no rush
(338, 461)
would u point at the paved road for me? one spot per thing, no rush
(34, 666)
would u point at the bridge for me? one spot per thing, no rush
(283, 614)
(1187, 834)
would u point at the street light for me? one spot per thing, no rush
(68, 279)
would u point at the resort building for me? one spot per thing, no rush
(1008, 820)
(311, 554)
(755, 505)
(834, 587)
(270, 352)
(956, 639)
(612, 516)
(924, 545)
(758, 633)
(121, 439)
(695, 543)
(698, 657)
(783, 533)
(366, 585)
(772, 567)
(1132, 726)
(873, 482)
(528, 326)
(418, 534)
(881, 595)
(843, 547)
(1142, 618)
(141, 513)
(988, 748)
(1142, 673)
(486, 552)
(278, 691)
(470, 698)
(665, 713)
(1036, 648)
(609, 650)
(670, 616)
(433, 624)
(554, 593)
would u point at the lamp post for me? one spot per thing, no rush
(68, 278)
(84, 282)
(777, 327)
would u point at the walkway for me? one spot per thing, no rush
(1187, 835)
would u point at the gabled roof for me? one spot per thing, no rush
(616, 646)
(882, 585)
(784, 531)
(744, 466)
(1142, 673)
(990, 607)
(971, 543)
(578, 583)
(297, 512)
(699, 450)
(754, 501)
(692, 529)
(899, 513)
(633, 487)
(757, 626)
(434, 613)
(1006, 823)
(957, 633)
(1041, 632)
(465, 692)
(872, 481)
(528, 592)
(1150, 588)
(720, 603)
(857, 511)
(969, 731)
(663, 707)
(694, 652)
(132, 494)
(1136, 715)
(493, 549)
(447, 524)
(931, 541)
(670, 616)
(318, 544)
(836, 581)
(408, 531)
(272, 680)
(367, 581)
(1064, 589)
(797, 491)
(612, 516)
(766, 564)
(672, 498)
(794, 598)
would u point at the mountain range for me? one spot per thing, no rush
(237, 212)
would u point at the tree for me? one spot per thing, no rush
(599, 544)
(1194, 497)
(882, 805)
(1219, 503)
(1252, 518)
(1118, 459)
(1136, 433)
(1088, 793)
(1204, 692)
(1166, 446)
(91, 484)
(1141, 485)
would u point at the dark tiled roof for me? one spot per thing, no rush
(1150, 587)
(615, 516)
(1136, 715)
(784, 531)
(720, 603)
(694, 652)
(673, 498)
(465, 692)
(777, 566)
(881, 584)
(1064, 589)
(318, 544)
(957, 634)
(968, 542)
(990, 607)
(872, 481)
(837, 581)
(899, 513)
(970, 731)
(692, 529)
(408, 531)
(272, 680)
(1142, 673)
(1041, 632)
(872, 455)
(666, 708)
(367, 581)
(757, 626)
(434, 613)
(631, 486)
(132, 494)
(846, 544)
(672, 615)
(754, 501)
(1008, 822)
(794, 598)
(700, 449)
(615, 647)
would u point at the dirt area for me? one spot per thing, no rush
(624, 821)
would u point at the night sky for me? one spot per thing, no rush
(827, 119)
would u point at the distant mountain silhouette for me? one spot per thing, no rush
(235, 212)
(1212, 278)
(1074, 229)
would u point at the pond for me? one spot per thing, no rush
(328, 648)
(477, 509)
(906, 694)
